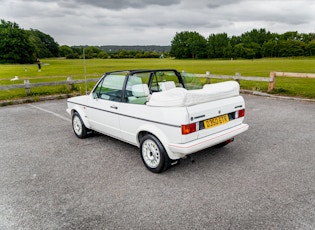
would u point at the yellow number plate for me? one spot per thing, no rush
(216, 121)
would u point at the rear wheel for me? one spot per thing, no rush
(78, 126)
(153, 154)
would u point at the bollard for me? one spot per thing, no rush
(237, 75)
(70, 84)
(208, 77)
(27, 87)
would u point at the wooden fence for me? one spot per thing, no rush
(237, 77)
(27, 85)
(271, 79)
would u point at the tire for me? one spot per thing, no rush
(153, 154)
(78, 126)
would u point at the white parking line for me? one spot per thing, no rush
(53, 113)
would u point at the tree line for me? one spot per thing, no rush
(75, 52)
(257, 43)
(25, 46)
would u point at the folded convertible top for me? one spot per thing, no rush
(182, 97)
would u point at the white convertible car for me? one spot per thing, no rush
(155, 110)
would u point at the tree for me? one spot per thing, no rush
(310, 48)
(179, 45)
(197, 45)
(256, 49)
(291, 35)
(235, 40)
(228, 51)
(15, 46)
(239, 51)
(249, 53)
(256, 36)
(44, 44)
(254, 44)
(269, 49)
(254, 40)
(218, 45)
(64, 51)
(188, 45)
(291, 48)
(92, 52)
(102, 55)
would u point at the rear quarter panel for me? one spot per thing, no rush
(163, 122)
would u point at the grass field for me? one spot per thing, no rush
(59, 69)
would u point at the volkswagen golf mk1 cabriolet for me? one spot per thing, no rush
(154, 110)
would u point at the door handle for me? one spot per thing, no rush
(114, 107)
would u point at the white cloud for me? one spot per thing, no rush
(155, 22)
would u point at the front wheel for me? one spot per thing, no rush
(78, 126)
(153, 154)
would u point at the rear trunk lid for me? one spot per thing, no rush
(215, 116)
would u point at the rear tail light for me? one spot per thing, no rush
(190, 128)
(240, 113)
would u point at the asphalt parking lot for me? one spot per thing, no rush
(265, 179)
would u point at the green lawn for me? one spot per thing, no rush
(59, 69)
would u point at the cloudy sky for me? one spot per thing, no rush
(155, 22)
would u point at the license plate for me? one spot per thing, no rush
(216, 121)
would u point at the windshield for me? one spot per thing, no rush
(110, 88)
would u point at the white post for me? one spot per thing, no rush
(208, 77)
(69, 80)
(237, 75)
(85, 72)
(27, 87)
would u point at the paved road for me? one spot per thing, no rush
(265, 179)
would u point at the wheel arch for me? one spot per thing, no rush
(82, 114)
(150, 129)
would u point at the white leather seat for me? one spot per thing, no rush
(166, 85)
(141, 94)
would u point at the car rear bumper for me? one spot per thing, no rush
(182, 150)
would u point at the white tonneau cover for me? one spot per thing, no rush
(182, 97)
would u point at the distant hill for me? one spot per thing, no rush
(153, 48)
